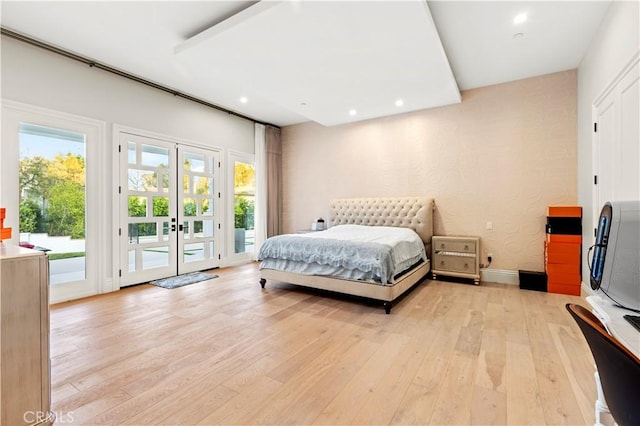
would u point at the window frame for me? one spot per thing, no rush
(96, 192)
(232, 257)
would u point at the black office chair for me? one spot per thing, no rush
(618, 368)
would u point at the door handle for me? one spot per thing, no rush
(180, 228)
(173, 228)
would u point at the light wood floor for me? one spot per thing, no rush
(227, 352)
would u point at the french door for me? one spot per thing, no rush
(169, 212)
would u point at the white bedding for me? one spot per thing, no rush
(404, 245)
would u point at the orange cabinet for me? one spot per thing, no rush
(563, 249)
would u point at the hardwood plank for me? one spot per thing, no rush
(303, 396)
(384, 399)
(560, 404)
(235, 410)
(350, 402)
(453, 405)
(228, 352)
(524, 402)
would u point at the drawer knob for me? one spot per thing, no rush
(466, 246)
(466, 266)
(441, 245)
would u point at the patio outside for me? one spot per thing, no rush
(67, 258)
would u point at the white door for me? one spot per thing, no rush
(167, 209)
(604, 157)
(199, 199)
(148, 205)
(616, 150)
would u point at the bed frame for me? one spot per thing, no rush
(405, 212)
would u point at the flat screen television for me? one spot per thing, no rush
(615, 267)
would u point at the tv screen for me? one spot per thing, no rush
(600, 247)
(615, 268)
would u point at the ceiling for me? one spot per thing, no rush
(331, 62)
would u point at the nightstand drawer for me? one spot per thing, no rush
(463, 264)
(461, 245)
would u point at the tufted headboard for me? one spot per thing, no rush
(404, 212)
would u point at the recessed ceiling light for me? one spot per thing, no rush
(303, 104)
(518, 35)
(520, 18)
(352, 112)
(399, 102)
(244, 100)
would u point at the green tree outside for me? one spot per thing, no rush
(30, 216)
(65, 213)
(52, 195)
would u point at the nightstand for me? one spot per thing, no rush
(456, 257)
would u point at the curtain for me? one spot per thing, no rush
(260, 208)
(274, 180)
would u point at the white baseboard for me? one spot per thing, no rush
(502, 276)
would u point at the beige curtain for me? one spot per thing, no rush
(274, 180)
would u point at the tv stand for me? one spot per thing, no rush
(612, 316)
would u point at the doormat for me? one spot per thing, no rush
(182, 280)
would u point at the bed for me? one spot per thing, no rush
(414, 213)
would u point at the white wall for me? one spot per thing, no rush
(34, 76)
(617, 40)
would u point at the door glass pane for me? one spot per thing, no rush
(154, 156)
(161, 206)
(244, 186)
(137, 206)
(202, 185)
(52, 198)
(185, 184)
(206, 229)
(197, 229)
(206, 207)
(193, 162)
(190, 207)
(131, 156)
(143, 232)
(157, 257)
(165, 181)
(142, 180)
(165, 231)
(132, 260)
(193, 252)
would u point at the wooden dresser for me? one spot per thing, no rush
(25, 389)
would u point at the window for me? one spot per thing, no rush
(244, 190)
(51, 187)
(52, 176)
